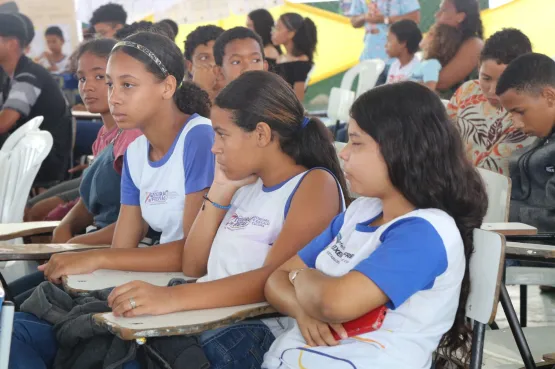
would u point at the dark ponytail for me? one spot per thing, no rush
(188, 97)
(258, 96)
(306, 35)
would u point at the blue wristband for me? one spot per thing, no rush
(216, 205)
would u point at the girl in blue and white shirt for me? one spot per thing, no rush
(278, 183)
(405, 244)
(166, 171)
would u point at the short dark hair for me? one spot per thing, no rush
(135, 27)
(173, 26)
(529, 72)
(54, 31)
(13, 26)
(505, 46)
(200, 36)
(407, 32)
(188, 97)
(101, 47)
(109, 13)
(237, 33)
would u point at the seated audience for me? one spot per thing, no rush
(108, 19)
(54, 60)
(465, 16)
(32, 92)
(262, 22)
(277, 184)
(486, 128)
(403, 41)
(438, 48)
(526, 89)
(365, 259)
(199, 58)
(236, 51)
(299, 37)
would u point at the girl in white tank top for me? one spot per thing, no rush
(277, 186)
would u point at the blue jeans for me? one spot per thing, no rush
(240, 346)
(23, 287)
(34, 344)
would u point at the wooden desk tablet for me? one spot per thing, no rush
(510, 229)
(37, 251)
(9, 231)
(530, 251)
(104, 278)
(182, 323)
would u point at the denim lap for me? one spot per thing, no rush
(33, 343)
(241, 346)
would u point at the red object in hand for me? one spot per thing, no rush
(369, 322)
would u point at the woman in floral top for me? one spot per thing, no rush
(486, 128)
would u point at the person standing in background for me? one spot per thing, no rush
(54, 59)
(108, 19)
(376, 16)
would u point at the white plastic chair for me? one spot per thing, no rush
(486, 273)
(445, 102)
(368, 72)
(14, 138)
(7, 311)
(308, 77)
(498, 188)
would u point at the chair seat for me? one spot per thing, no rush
(501, 352)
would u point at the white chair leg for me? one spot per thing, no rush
(6, 327)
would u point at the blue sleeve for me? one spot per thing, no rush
(311, 251)
(411, 256)
(430, 70)
(130, 194)
(357, 8)
(198, 159)
(409, 6)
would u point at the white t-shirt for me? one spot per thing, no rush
(417, 260)
(249, 230)
(62, 65)
(159, 187)
(398, 73)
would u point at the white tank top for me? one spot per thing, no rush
(162, 184)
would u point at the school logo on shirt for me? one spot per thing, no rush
(237, 222)
(336, 251)
(159, 197)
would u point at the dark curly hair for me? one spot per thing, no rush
(237, 33)
(432, 171)
(306, 35)
(444, 44)
(141, 26)
(54, 31)
(200, 36)
(258, 96)
(188, 97)
(528, 73)
(472, 25)
(173, 27)
(505, 46)
(109, 13)
(101, 47)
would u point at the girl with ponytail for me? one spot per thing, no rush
(166, 171)
(299, 37)
(404, 245)
(276, 187)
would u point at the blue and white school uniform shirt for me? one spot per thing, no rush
(426, 71)
(249, 230)
(159, 187)
(417, 260)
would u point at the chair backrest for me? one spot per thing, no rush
(486, 273)
(498, 188)
(24, 163)
(368, 72)
(15, 137)
(339, 104)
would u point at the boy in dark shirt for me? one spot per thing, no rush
(27, 91)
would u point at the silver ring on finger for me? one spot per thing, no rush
(133, 303)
